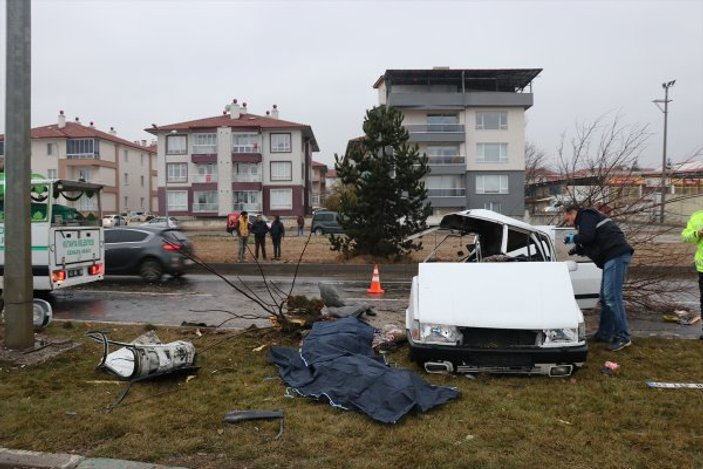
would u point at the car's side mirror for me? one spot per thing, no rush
(572, 265)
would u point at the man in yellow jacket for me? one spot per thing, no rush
(693, 233)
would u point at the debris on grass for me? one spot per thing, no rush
(683, 317)
(237, 416)
(657, 384)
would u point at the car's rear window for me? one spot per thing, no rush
(124, 236)
(174, 235)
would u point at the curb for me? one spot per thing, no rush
(17, 458)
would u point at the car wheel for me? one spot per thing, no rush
(319, 232)
(151, 270)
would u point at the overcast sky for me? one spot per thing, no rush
(128, 64)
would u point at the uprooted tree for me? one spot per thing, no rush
(387, 201)
(599, 167)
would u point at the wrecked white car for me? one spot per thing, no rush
(506, 306)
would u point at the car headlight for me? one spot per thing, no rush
(582, 331)
(439, 334)
(563, 336)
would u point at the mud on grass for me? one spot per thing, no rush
(588, 420)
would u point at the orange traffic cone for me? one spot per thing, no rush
(375, 286)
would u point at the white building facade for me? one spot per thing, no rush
(470, 123)
(71, 150)
(234, 162)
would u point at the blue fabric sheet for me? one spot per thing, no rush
(338, 363)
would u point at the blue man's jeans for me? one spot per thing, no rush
(613, 320)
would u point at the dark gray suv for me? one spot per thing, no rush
(149, 252)
(326, 221)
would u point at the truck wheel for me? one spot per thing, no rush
(318, 231)
(151, 270)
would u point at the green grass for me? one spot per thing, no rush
(588, 420)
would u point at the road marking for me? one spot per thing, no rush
(147, 293)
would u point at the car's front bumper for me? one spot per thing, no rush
(519, 360)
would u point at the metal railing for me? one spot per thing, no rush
(247, 178)
(238, 207)
(446, 192)
(249, 148)
(204, 149)
(209, 207)
(435, 128)
(446, 160)
(205, 178)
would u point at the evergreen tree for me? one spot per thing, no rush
(389, 200)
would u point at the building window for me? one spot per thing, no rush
(281, 171)
(51, 174)
(495, 206)
(49, 149)
(85, 174)
(491, 152)
(281, 199)
(492, 184)
(444, 154)
(125, 156)
(246, 172)
(82, 148)
(141, 202)
(492, 120)
(126, 203)
(280, 143)
(443, 122)
(176, 144)
(141, 181)
(177, 172)
(205, 201)
(2, 147)
(205, 144)
(206, 173)
(445, 186)
(177, 200)
(245, 143)
(126, 179)
(141, 159)
(247, 200)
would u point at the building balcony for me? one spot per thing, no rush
(444, 160)
(205, 178)
(247, 178)
(446, 192)
(83, 156)
(251, 148)
(460, 100)
(240, 207)
(436, 132)
(204, 150)
(203, 159)
(202, 208)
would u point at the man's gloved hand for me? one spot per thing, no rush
(569, 239)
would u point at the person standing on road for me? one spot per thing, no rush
(277, 232)
(243, 233)
(599, 238)
(259, 228)
(693, 233)
(301, 224)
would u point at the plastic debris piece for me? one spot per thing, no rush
(658, 384)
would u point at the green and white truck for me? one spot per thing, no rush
(67, 236)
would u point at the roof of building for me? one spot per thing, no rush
(331, 174)
(317, 164)
(506, 79)
(245, 121)
(76, 130)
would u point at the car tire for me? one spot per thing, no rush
(151, 270)
(319, 232)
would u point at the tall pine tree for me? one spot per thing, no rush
(389, 202)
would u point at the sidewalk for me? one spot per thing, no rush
(13, 458)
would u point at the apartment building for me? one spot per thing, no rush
(319, 184)
(471, 125)
(71, 150)
(233, 162)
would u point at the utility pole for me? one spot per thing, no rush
(666, 102)
(19, 328)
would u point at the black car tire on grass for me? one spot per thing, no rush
(319, 232)
(151, 270)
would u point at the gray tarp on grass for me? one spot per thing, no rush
(338, 363)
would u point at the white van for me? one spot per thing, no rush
(506, 305)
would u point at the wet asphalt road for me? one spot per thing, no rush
(203, 298)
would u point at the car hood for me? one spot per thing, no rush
(515, 295)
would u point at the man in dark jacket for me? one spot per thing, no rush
(600, 239)
(259, 228)
(277, 232)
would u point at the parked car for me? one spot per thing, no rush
(506, 305)
(110, 221)
(137, 216)
(161, 221)
(325, 222)
(149, 252)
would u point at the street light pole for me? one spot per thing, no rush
(666, 102)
